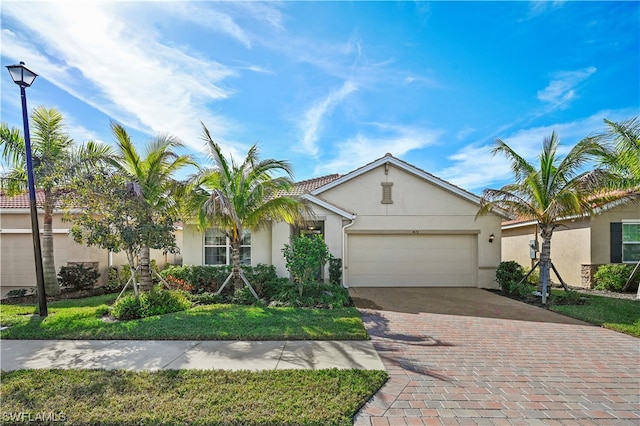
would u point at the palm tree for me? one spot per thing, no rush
(621, 152)
(236, 197)
(554, 189)
(56, 160)
(150, 181)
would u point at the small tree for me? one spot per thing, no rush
(115, 219)
(304, 256)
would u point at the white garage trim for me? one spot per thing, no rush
(408, 259)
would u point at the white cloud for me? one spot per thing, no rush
(311, 125)
(562, 88)
(362, 149)
(112, 64)
(474, 168)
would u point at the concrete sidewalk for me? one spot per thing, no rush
(188, 354)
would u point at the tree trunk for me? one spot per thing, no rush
(51, 285)
(235, 262)
(146, 282)
(546, 231)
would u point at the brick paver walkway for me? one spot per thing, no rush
(467, 370)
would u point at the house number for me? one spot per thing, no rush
(415, 231)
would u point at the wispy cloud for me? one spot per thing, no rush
(561, 90)
(312, 122)
(362, 148)
(474, 168)
(133, 77)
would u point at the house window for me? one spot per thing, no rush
(631, 242)
(217, 248)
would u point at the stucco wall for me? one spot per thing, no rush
(418, 206)
(17, 267)
(570, 248)
(600, 231)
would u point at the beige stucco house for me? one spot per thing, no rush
(391, 223)
(580, 244)
(17, 267)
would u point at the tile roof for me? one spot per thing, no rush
(306, 186)
(20, 201)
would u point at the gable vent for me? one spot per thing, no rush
(386, 192)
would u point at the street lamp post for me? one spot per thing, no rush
(24, 78)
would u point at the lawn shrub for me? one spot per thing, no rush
(567, 298)
(335, 270)
(77, 276)
(113, 280)
(201, 278)
(155, 302)
(304, 257)
(206, 298)
(128, 307)
(613, 277)
(243, 296)
(316, 295)
(259, 275)
(509, 272)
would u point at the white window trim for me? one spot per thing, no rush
(227, 250)
(629, 222)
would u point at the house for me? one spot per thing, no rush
(391, 223)
(580, 244)
(17, 266)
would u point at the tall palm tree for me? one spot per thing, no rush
(57, 159)
(150, 181)
(554, 189)
(236, 197)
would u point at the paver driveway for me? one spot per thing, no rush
(475, 363)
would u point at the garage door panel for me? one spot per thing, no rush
(411, 260)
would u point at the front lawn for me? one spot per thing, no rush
(622, 315)
(85, 319)
(178, 397)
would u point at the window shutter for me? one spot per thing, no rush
(616, 242)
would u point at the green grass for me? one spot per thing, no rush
(622, 315)
(193, 397)
(82, 319)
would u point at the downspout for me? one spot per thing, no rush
(344, 250)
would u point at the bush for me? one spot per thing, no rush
(201, 278)
(243, 296)
(613, 277)
(155, 302)
(304, 256)
(127, 308)
(335, 271)
(508, 273)
(19, 292)
(316, 295)
(568, 298)
(78, 276)
(205, 298)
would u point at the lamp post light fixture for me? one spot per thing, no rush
(24, 78)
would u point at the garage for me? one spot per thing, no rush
(412, 260)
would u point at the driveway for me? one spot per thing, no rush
(468, 356)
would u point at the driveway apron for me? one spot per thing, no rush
(468, 356)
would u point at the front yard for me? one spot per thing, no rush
(87, 319)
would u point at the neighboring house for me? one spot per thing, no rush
(580, 245)
(391, 223)
(17, 267)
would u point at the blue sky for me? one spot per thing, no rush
(331, 86)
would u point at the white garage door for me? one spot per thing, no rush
(411, 261)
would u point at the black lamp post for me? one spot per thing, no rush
(24, 77)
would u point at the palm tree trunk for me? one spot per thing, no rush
(235, 261)
(146, 282)
(51, 285)
(546, 231)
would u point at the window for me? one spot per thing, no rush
(631, 242)
(217, 248)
